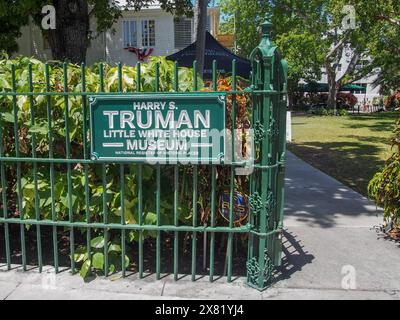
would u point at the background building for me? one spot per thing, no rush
(370, 91)
(151, 28)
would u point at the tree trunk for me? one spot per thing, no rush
(333, 88)
(200, 27)
(69, 41)
(292, 89)
(332, 97)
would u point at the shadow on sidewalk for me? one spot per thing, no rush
(294, 256)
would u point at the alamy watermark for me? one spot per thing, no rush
(349, 20)
(49, 20)
(349, 281)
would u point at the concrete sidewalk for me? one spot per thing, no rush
(329, 233)
(329, 244)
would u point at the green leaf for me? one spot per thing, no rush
(78, 257)
(85, 269)
(126, 261)
(133, 236)
(39, 128)
(114, 247)
(150, 218)
(8, 117)
(98, 261)
(97, 242)
(23, 103)
(80, 254)
(4, 83)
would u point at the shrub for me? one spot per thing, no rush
(343, 100)
(322, 112)
(40, 129)
(346, 100)
(378, 101)
(77, 205)
(393, 102)
(384, 188)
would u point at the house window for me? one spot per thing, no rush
(130, 33)
(182, 33)
(148, 33)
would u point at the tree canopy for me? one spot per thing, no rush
(12, 18)
(384, 40)
(317, 34)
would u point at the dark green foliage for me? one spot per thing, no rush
(113, 179)
(384, 187)
(12, 17)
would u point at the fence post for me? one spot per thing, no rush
(269, 125)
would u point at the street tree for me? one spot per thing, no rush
(317, 35)
(299, 46)
(384, 40)
(338, 33)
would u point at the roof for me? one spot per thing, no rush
(323, 87)
(154, 5)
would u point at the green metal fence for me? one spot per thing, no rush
(262, 229)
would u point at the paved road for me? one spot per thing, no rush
(329, 244)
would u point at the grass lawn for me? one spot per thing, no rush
(350, 149)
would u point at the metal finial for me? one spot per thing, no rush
(266, 26)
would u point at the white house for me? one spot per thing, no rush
(370, 91)
(151, 28)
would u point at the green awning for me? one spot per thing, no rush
(352, 87)
(323, 87)
(313, 87)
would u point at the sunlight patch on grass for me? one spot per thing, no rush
(351, 149)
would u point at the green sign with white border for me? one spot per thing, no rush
(158, 128)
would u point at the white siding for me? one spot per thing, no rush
(31, 43)
(183, 32)
(164, 29)
(96, 51)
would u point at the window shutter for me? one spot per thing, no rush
(126, 33)
(208, 27)
(182, 33)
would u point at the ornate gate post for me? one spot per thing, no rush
(269, 79)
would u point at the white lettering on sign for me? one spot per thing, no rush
(164, 122)
(159, 145)
(110, 115)
(158, 120)
(161, 128)
(141, 124)
(184, 120)
(126, 117)
(204, 120)
(149, 105)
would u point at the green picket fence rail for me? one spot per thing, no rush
(265, 188)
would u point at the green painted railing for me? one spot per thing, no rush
(263, 227)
